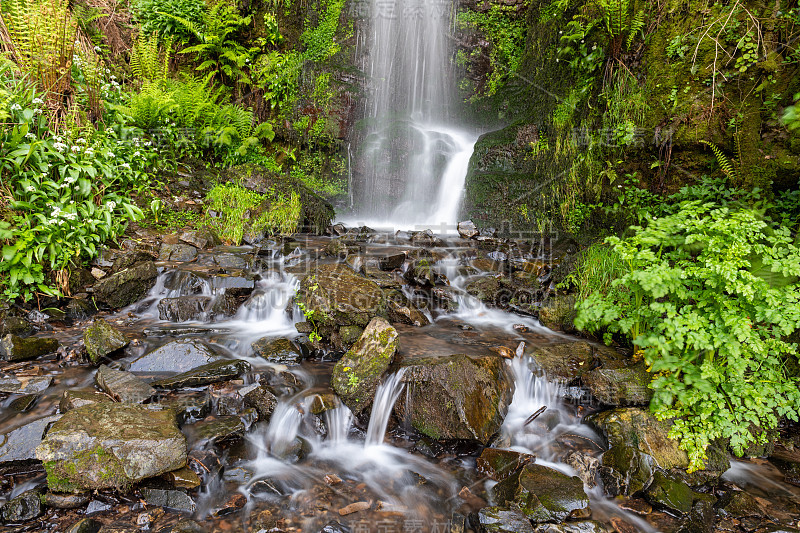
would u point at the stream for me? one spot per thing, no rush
(313, 465)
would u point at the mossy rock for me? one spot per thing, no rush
(102, 339)
(127, 286)
(456, 397)
(357, 375)
(110, 445)
(316, 213)
(338, 296)
(543, 494)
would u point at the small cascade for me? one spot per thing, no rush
(339, 421)
(269, 310)
(385, 397)
(283, 428)
(534, 392)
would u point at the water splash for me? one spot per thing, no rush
(385, 397)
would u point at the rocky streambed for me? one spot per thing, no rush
(360, 381)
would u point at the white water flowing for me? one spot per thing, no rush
(413, 160)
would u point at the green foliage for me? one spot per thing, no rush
(152, 18)
(728, 167)
(506, 33)
(219, 51)
(711, 296)
(149, 59)
(189, 118)
(791, 115)
(595, 271)
(69, 193)
(313, 169)
(240, 209)
(320, 41)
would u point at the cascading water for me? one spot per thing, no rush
(413, 160)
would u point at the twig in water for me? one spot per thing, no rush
(534, 415)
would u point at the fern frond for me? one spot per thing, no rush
(637, 23)
(186, 23)
(725, 164)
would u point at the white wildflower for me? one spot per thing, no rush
(59, 146)
(111, 204)
(30, 136)
(37, 101)
(30, 188)
(15, 107)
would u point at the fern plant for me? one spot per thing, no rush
(150, 58)
(731, 169)
(218, 51)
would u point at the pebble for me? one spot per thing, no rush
(354, 508)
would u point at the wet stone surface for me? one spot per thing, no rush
(405, 395)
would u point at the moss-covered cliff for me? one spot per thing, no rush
(617, 93)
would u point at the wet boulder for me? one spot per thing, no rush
(127, 286)
(563, 361)
(543, 494)
(102, 339)
(176, 356)
(280, 351)
(636, 427)
(625, 385)
(177, 253)
(110, 445)
(456, 397)
(670, 493)
(490, 290)
(183, 308)
(24, 507)
(557, 312)
(402, 310)
(78, 398)
(499, 520)
(15, 325)
(423, 274)
(202, 238)
(499, 464)
(626, 471)
(176, 500)
(15, 348)
(122, 386)
(392, 261)
(216, 371)
(338, 296)
(467, 229)
(25, 384)
(260, 398)
(19, 444)
(356, 375)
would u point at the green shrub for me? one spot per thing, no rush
(711, 296)
(238, 210)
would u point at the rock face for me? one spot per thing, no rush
(356, 375)
(500, 464)
(620, 386)
(126, 286)
(102, 339)
(107, 445)
(26, 506)
(340, 297)
(626, 471)
(14, 348)
(543, 494)
(176, 356)
(498, 520)
(456, 397)
(402, 310)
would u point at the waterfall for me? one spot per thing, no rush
(413, 160)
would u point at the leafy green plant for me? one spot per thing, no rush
(714, 289)
(237, 210)
(69, 194)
